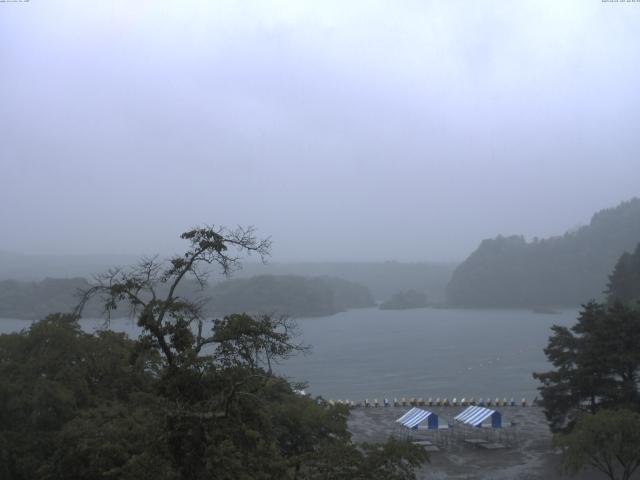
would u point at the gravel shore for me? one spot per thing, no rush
(528, 452)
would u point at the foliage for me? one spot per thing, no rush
(166, 317)
(566, 270)
(405, 300)
(178, 403)
(596, 364)
(624, 282)
(254, 342)
(608, 441)
(54, 374)
(394, 460)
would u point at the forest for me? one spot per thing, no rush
(557, 271)
(591, 396)
(179, 402)
(282, 294)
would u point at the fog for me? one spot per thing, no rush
(365, 130)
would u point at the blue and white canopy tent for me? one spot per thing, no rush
(475, 415)
(416, 416)
(425, 422)
(472, 418)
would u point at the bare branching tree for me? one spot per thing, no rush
(149, 289)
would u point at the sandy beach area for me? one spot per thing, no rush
(524, 451)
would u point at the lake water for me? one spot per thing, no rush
(370, 353)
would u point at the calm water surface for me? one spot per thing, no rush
(370, 353)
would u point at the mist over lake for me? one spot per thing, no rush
(371, 353)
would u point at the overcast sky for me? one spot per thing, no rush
(362, 130)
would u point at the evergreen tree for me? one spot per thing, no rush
(624, 282)
(596, 364)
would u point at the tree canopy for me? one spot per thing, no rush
(596, 364)
(624, 281)
(180, 402)
(608, 441)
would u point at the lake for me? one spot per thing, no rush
(371, 353)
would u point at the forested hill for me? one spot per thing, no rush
(288, 294)
(624, 282)
(35, 300)
(383, 279)
(558, 271)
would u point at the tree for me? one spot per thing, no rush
(608, 441)
(223, 413)
(254, 341)
(393, 460)
(596, 364)
(624, 281)
(55, 380)
(167, 318)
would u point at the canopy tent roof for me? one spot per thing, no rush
(475, 415)
(415, 416)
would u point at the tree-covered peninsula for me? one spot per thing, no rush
(405, 300)
(292, 295)
(557, 271)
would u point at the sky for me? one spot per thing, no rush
(365, 130)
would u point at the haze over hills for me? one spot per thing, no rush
(566, 270)
(287, 294)
(34, 267)
(278, 294)
(506, 271)
(383, 279)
